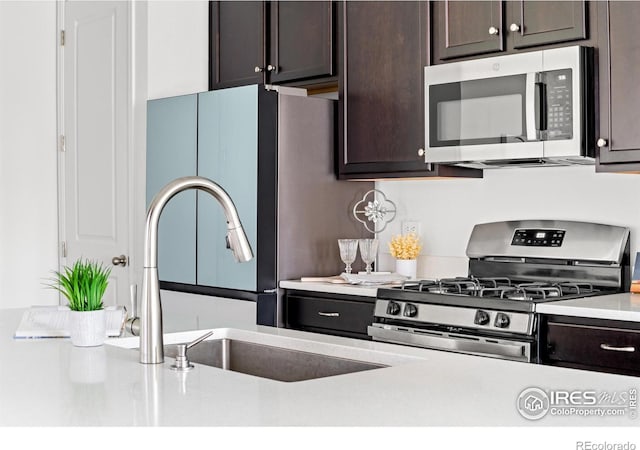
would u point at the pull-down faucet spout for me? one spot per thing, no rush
(151, 342)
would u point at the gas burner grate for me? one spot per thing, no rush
(500, 288)
(419, 285)
(534, 291)
(571, 288)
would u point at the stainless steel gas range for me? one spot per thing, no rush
(513, 266)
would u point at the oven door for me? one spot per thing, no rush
(514, 350)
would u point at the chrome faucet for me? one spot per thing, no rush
(151, 342)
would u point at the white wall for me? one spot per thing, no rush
(28, 159)
(448, 209)
(178, 47)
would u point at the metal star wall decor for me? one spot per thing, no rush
(374, 211)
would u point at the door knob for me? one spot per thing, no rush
(601, 143)
(420, 152)
(514, 27)
(258, 69)
(271, 68)
(121, 260)
(493, 31)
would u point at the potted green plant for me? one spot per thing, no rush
(84, 285)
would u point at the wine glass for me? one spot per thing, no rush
(368, 252)
(348, 251)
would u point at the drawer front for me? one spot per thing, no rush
(594, 346)
(342, 315)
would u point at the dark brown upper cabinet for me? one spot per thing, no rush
(469, 28)
(384, 48)
(533, 23)
(466, 28)
(270, 42)
(619, 63)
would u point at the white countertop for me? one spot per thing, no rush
(624, 306)
(330, 288)
(50, 382)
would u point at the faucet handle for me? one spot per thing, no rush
(133, 299)
(132, 324)
(182, 363)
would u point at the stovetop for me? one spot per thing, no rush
(490, 292)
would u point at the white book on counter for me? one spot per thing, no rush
(53, 322)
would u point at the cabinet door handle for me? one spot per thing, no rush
(258, 69)
(617, 349)
(493, 31)
(601, 143)
(328, 314)
(514, 27)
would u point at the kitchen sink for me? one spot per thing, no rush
(275, 363)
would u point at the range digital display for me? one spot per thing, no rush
(538, 238)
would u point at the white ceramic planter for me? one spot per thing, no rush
(407, 267)
(88, 328)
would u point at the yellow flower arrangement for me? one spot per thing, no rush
(406, 246)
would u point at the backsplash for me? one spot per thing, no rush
(448, 209)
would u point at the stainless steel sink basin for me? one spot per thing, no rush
(265, 361)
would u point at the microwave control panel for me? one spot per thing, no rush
(538, 238)
(559, 104)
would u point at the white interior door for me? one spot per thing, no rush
(95, 111)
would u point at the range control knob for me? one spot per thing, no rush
(502, 320)
(482, 317)
(393, 309)
(410, 310)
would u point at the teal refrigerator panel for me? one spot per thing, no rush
(172, 153)
(228, 155)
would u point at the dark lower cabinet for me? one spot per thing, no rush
(340, 315)
(591, 344)
(619, 54)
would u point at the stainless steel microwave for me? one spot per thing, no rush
(528, 109)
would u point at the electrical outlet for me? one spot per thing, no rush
(411, 226)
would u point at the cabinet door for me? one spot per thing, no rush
(171, 153)
(465, 28)
(236, 43)
(381, 112)
(619, 60)
(538, 23)
(228, 155)
(382, 89)
(302, 40)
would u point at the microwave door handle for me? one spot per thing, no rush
(541, 106)
(530, 107)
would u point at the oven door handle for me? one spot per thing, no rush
(531, 94)
(517, 351)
